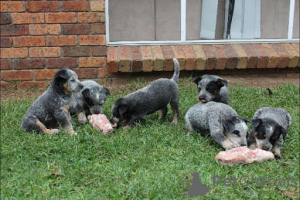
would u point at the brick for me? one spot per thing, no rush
(31, 41)
(88, 17)
(232, 57)
(6, 64)
(5, 42)
(147, 58)
(5, 18)
(44, 29)
(98, 50)
(263, 58)
(102, 72)
(293, 54)
(44, 52)
(76, 51)
(87, 73)
(242, 56)
(158, 58)
(222, 57)
(27, 18)
(200, 57)
(7, 85)
(32, 84)
(75, 6)
(297, 46)
(7, 30)
(98, 29)
(62, 40)
(44, 74)
(38, 63)
(92, 62)
(19, 75)
(57, 18)
(284, 57)
(57, 63)
(169, 55)
(112, 59)
(92, 39)
(252, 55)
(97, 5)
(179, 54)
(190, 57)
(12, 6)
(75, 29)
(14, 52)
(273, 56)
(211, 60)
(125, 59)
(137, 63)
(42, 6)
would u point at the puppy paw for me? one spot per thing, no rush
(73, 133)
(83, 121)
(277, 156)
(53, 132)
(174, 122)
(127, 127)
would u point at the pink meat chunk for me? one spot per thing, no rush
(243, 155)
(100, 122)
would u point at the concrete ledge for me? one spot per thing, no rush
(202, 57)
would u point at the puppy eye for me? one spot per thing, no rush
(236, 132)
(264, 136)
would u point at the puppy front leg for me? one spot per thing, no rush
(63, 119)
(222, 139)
(82, 117)
(251, 141)
(132, 121)
(45, 130)
(277, 147)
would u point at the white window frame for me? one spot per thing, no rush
(183, 39)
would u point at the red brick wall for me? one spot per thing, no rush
(40, 37)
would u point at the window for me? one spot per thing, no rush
(203, 21)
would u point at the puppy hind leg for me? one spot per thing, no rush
(188, 127)
(45, 130)
(163, 113)
(175, 108)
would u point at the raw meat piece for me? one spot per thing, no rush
(100, 122)
(243, 155)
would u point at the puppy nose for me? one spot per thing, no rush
(202, 99)
(265, 148)
(243, 145)
(96, 112)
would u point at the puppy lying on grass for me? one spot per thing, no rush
(270, 126)
(223, 124)
(155, 96)
(51, 109)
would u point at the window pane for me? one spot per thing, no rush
(296, 20)
(131, 20)
(144, 20)
(168, 19)
(244, 19)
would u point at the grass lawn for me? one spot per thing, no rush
(146, 162)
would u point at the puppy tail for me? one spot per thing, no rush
(176, 70)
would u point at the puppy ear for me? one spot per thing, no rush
(256, 122)
(197, 79)
(283, 132)
(106, 91)
(221, 82)
(228, 122)
(85, 92)
(122, 109)
(246, 120)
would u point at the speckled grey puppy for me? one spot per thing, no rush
(155, 96)
(51, 109)
(90, 100)
(270, 126)
(223, 124)
(211, 88)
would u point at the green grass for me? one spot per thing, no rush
(146, 162)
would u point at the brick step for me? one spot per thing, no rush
(202, 57)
